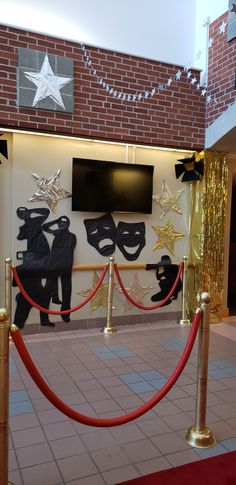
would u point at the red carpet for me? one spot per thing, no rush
(219, 470)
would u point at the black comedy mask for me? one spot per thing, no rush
(102, 234)
(131, 239)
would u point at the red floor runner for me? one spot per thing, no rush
(219, 470)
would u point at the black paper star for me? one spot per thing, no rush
(3, 148)
(233, 9)
(190, 168)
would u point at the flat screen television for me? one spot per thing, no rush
(104, 186)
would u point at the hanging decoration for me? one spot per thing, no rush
(3, 148)
(191, 169)
(100, 298)
(166, 274)
(166, 237)
(49, 190)
(210, 275)
(167, 200)
(136, 292)
(157, 88)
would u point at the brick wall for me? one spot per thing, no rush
(173, 118)
(221, 71)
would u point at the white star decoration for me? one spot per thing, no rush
(48, 84)
(49, 190)
(222, 27)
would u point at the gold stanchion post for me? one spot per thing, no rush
(109, 327)
(184, 320)
(4, 395)
(8, 288)
(200, 435)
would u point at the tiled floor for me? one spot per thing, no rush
(107, 376)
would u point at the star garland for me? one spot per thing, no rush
(157, 88)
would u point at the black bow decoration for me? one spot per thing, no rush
(3, 148)
(190, 168)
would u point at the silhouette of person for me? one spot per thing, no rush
(61, 261)
(33, 268)
(166, 275)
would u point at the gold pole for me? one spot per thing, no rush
(110, 328)
(199, 435)
(4, 395)
(8, 288)
(184, 320)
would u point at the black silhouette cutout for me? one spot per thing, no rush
(166, 275)
(61, 261)
(33, 269)
(40, 264)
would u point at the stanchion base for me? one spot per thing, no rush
(200, 439)
(185, 322)
(109, 330)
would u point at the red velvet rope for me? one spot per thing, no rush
(105, 422)
(54, 312)
(153, 307)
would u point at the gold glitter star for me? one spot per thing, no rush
(136, 292)
(167, 237)
(167, 200)
(100, 297)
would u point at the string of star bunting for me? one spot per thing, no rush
(158, 87)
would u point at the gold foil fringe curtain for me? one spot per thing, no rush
(207, 228)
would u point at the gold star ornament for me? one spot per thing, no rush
(166, 237)
(100, 297)
(167, 200)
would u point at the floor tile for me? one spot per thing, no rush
(34, 455)
(48, 470)
(77, 466)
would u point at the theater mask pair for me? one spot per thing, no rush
(103, 235)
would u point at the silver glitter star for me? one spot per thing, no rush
(136, 292)
(49, 190)
(48, 84)
(167, 200)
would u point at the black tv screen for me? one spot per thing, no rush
(104, 186)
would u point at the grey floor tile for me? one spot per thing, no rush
(34, 455)
(119, 475)
(152, 466)
(78, 466)
(141, 450)
(110, 459)
(48, 470)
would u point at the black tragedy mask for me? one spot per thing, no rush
(131, 235)
(102, 234)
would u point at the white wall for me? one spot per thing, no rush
(44, 155)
